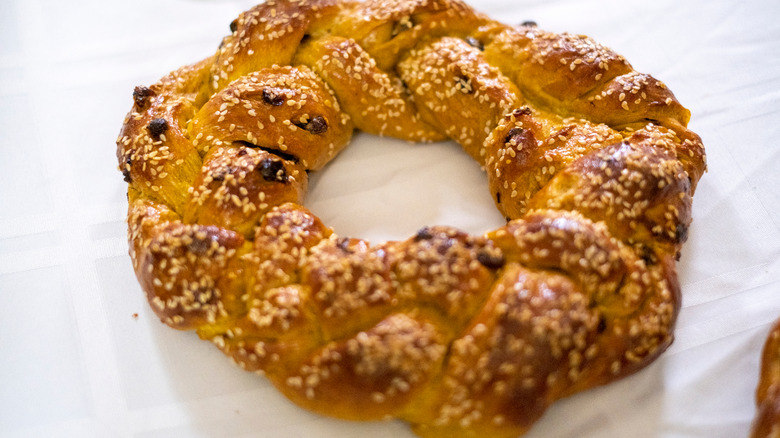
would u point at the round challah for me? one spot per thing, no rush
(462, 336)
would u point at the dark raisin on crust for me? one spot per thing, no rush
(141, 95)
(491, 260)
(157, 127)
(273, 170)
(271, 97)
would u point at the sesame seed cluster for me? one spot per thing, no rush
(459, 335)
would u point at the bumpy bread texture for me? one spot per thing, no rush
(460, 335)
(767, 421)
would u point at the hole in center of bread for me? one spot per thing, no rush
(383, 189)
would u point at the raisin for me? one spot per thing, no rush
(423, 234)
(516, 134)
(273, 170)
(157, 127)
(141, 96)
(317, 125)
(491, 260)
(272, 98)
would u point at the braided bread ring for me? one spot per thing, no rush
(590, 161)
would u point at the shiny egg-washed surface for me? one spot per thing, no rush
(590, 161)
(766, 424)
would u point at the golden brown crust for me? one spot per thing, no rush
(238, 185)
(153, 149)
(457, 91)
(462, 336)
(641, 192)
(574, 75)
(527, 149)
(285, 109)
(767, 421)
(383, 106)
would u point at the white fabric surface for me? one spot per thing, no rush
(74, 361)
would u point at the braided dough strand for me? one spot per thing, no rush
(459, 335)
(767, 421)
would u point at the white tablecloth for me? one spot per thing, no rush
(77, 361)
